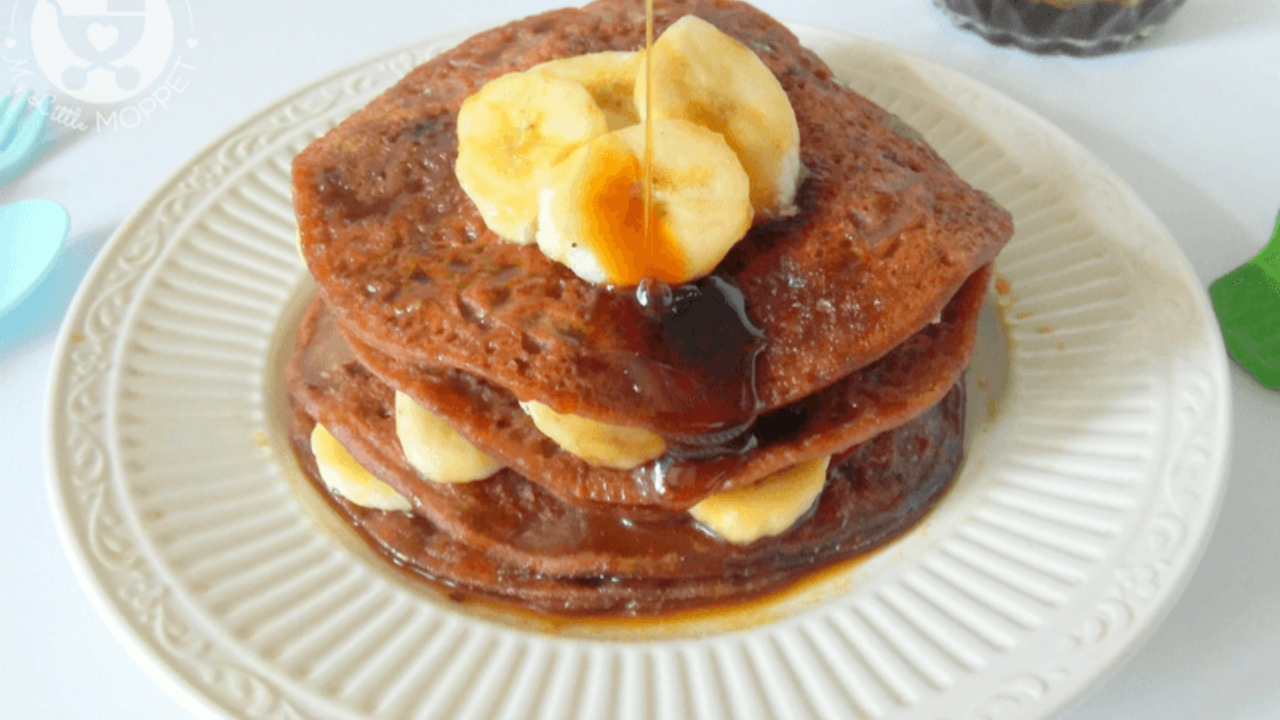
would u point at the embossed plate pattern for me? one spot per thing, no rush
(1095, 468)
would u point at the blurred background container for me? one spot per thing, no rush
(1070, 27)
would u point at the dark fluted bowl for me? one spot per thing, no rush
(1068, 27)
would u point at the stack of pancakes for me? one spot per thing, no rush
(841, 331)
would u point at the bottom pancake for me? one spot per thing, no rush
(507, 539)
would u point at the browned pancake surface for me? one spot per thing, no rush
(505, 538)
(885, 235)
(880, 396)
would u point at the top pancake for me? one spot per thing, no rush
(885, 235)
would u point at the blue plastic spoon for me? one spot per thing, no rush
(32, 235)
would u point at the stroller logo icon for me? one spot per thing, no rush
(102, 51)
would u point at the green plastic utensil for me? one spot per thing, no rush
(1247, 303)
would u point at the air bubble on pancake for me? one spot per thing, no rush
(530, 344)
(470, 311)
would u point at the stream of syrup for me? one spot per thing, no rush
(630, 241)
(702, 326)
(648, 129)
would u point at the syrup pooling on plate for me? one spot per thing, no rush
(507, 538)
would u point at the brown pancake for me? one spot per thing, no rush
(330, 384)
(880, 396)
(885, 235)
(505, 538)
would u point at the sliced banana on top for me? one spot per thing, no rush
(591, 215)
(600, 444)
(510, 135)
(345, 476)
(435, 449)
(702, 75)
(534, 156)
(766, 507)
(610, 77)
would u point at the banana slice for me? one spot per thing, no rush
(510, 135)
(766, 507)
(702, 75)
(591, 216)
(610, 78)
(345, 476)
(436, 450)
(600, 444)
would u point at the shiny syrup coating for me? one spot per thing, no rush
(885, 394)
(503, 538)
(706, 372)
(406, 262)
(391, 251)
(629, 240)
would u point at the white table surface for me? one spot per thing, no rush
(1191, 121)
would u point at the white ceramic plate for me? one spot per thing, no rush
(1095, 469)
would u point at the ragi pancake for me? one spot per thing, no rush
(886, 233)
(504, 538)
(886, 393)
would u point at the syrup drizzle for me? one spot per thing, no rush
(704, 329)
(629, 245)
(627, 238)
(647, 180)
